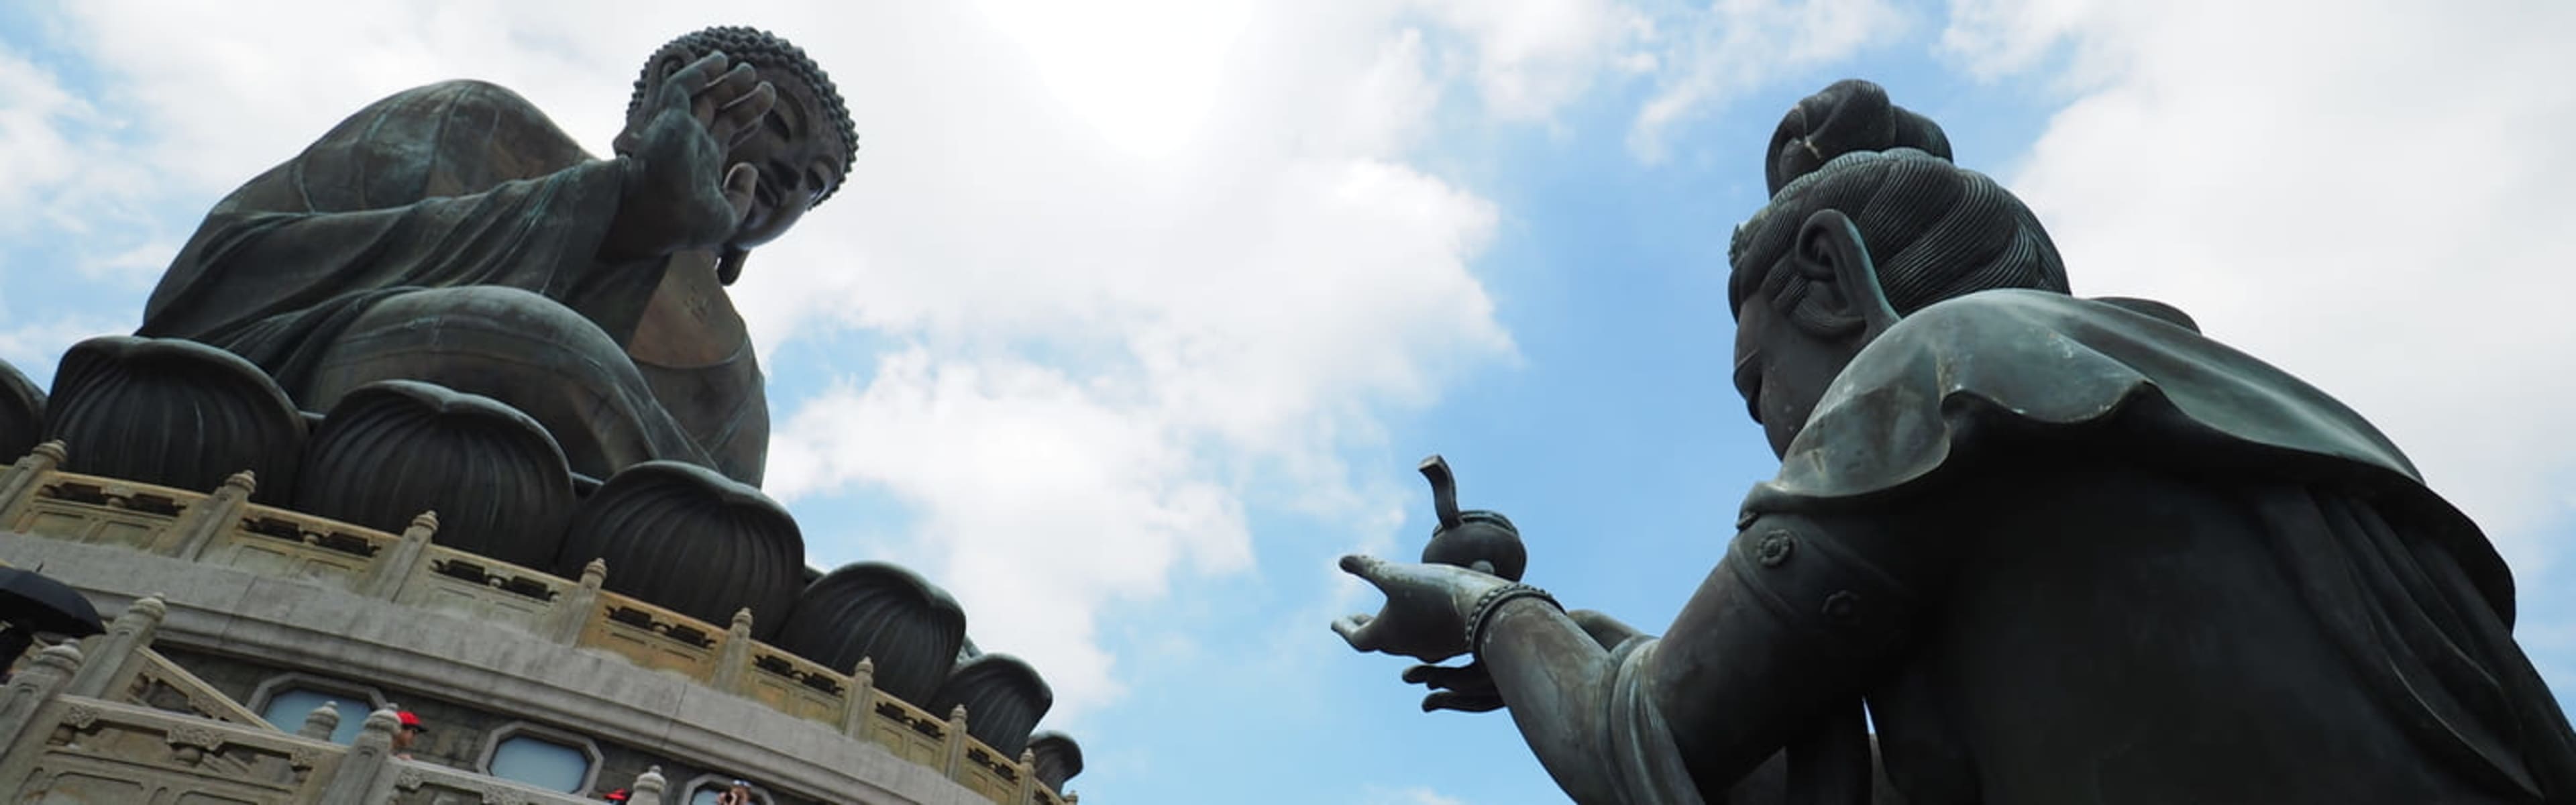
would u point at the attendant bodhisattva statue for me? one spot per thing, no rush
(2062, 550)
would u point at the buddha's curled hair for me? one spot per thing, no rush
(1933, 230)
(766, 51)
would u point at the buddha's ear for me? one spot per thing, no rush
(1830, 250)
(670, 62)
(729, 265)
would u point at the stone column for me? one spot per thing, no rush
(30, 692)
(863, 699)
(115, 657)
(648, 788)
(207, 519)
(386, 576)
(357, 780)
(1028, 772)
(956, 743)
(573, 612)
(319, 724)
(36, 683)
(733, 662)
(18, 483)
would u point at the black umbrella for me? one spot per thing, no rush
(36, 603)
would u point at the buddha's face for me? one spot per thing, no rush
(798, 152)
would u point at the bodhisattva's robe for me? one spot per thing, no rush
(462, 185)
(2186, 576)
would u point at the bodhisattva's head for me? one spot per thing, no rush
(802, 148)
(1868, 221)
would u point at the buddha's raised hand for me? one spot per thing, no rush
(679, 192)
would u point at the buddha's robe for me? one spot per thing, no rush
(451, 233)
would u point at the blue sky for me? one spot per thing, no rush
(1132, 318)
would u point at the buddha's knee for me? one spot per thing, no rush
(468, 339)
(506, 322)
(525, 350)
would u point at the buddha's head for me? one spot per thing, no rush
(803, 147)
(1868, 221)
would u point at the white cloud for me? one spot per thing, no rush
(1237, 306)
(1532, 56)
(1415, 795)
(1152, 264)
(2373, 199)
(35, 156)
(1736, 45)
(35, 347)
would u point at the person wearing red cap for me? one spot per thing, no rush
(410, 731)
(618, 795)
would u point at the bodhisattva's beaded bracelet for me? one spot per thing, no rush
(1491, 602)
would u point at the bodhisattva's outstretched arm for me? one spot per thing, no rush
(1784, 633)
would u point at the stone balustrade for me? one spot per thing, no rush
(223, 528)
(68, 748)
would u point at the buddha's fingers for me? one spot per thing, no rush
(740, 118)
(697, 76)
(740, 182)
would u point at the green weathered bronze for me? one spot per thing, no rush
(2061, 550)
(452, 234)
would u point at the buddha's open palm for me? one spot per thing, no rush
(680, 193)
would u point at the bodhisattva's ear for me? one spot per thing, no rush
(1829, 246)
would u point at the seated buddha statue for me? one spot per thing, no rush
(453, 234)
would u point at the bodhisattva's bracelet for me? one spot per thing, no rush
(1491, 602)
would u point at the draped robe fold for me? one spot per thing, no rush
(2386, 603)
(453, 185)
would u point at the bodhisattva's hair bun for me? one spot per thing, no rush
(1852, 115)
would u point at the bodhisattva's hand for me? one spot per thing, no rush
(1465, 688)
(1426, 610)
(679, 193)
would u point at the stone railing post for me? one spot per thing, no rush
(319, 724)
(565, 621)
(1028, 773)
(18, 483)
(37, 682)
(733, 662)
(356, 779)
(116, 656)
(863, 699)
(386, 576)
(955, 762)
(31, 691)
(648, 788)
(207, 519)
